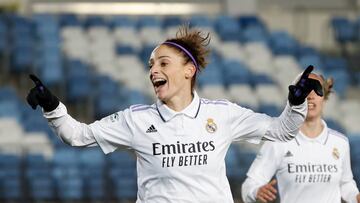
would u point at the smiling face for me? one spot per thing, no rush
(315, 102)
(170, 76)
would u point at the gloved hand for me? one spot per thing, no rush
(40, 95)
(299, 91)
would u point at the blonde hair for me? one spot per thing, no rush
(327, 84)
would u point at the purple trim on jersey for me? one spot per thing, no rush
(137, 105)
(141, 107)
(206, 101)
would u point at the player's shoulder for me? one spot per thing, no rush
(337, 136)
(142, 108)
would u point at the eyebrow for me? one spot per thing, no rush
(160, 57)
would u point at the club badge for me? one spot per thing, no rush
(336, 153)
(210, 125)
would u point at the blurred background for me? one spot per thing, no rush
(93, 56)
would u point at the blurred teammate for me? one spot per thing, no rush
(181, 140)
(313, 167)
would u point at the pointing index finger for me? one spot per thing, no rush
(36, 80)
(307, 71)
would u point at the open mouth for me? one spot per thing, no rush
(159, 82)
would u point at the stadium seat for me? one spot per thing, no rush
(10, 178)
(39, 179)
(344, 29)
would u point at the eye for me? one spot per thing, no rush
(150, 66)
(163, 64)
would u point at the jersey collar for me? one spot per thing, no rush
(191, 111)
(322, 138)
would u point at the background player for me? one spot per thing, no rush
(181, 140)
(313, 167)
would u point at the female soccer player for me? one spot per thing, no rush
(313, 167)
(181, 140)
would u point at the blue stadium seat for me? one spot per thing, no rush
(172, 21)
(258, 79)
(232, 162)
(10, 178)
(255, 34)
(67, 175)
(246, 21)
(122, 21)
(79, 81)
(269, 109)
(125, 49)
(282, 43)
(95, 20)
(211, 76)
(335, 63)
(148, 21)
(314, 60)
(228, 29)
(92, 162)
(122, 173)
(39, 178)
(344, 29)
(69, 20)
(235, 72)
(200, 21)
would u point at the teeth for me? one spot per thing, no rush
(158, 80)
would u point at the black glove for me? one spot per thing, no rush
(40, 95)
(299, 91)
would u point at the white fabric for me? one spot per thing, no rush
(180, 155)
(307, 170)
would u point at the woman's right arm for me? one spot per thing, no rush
(109, 133)
(257, 186)
(69, 130)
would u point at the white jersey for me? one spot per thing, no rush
(180, 155)
(307, 169)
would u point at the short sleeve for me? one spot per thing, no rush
(114, 131)
(247, 125)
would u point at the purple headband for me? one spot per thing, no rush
(184, 50)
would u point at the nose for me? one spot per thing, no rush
(153, 70)
(311, 95)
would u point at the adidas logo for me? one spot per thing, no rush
(288, 154)
(151, 129)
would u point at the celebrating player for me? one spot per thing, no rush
(181, 140)
(313, 167)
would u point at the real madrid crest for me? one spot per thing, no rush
(210, 126)
(336, 153)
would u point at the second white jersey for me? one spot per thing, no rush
(307, 170)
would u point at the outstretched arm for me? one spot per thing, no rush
(109, 132)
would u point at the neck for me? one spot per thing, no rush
(312, 128)
(179, 103)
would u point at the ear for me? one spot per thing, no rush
(189, 71)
